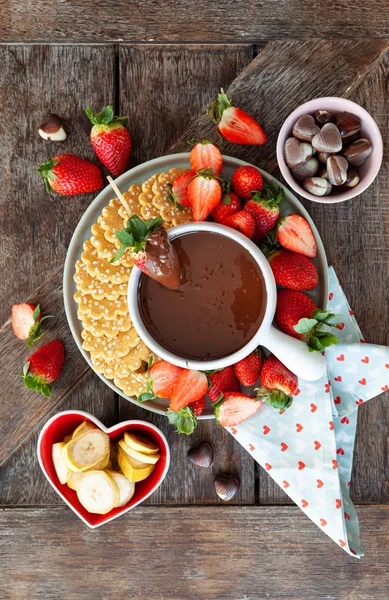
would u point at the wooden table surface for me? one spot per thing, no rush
(162, 64)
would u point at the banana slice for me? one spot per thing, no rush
(97, 492)
(133, 469)
(74, 479)
(82, 428)
(67, 438)
(87, 450)
(60, 465)
(101, 465)
(150, 459)
(139, 443)
(126, 487)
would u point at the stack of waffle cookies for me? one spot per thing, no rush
(115, 348)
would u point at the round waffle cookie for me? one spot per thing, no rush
(100, 268)
(103, 327)
(111, 220)
(168, 210)
(134, 360)
(106, 249)
(100, 309)
(148, 210)
(97, 289)
(134, 384)
(110, 348)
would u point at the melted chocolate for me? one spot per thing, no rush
(218, 306)
(162, 263)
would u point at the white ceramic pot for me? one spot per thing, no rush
(291, 351)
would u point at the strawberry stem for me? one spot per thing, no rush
(105, 117)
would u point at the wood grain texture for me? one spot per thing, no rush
(165, 87)
(176, 20)
(21, 480)
(191, 553)
(36, 227)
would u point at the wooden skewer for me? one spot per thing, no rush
(119, 195)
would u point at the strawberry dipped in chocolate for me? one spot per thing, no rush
(150, 250)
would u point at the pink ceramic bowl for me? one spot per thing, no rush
(369, 170)
(65, 423)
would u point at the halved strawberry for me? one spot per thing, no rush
(248, 369)
(221, 381)
(228, 205)
(206, 155)
(234, 124)
(160, 382)
(295, 233)
(235, 408)
(278, 384)
(204, 193)
(243, 222)
(179, 189)
(26, 322)
(198, 406)
(190, 385)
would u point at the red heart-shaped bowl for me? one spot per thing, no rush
(64, 423)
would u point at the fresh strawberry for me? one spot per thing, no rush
(248, 369)
(278, 384)
(160, 381)
(110, 140)
(242, 221)
(44, 367)
(234, 124)
(179, 189)
(147, 241)
(26, 322)
(205, 155)
(222, 381)
(246, 180)
(189, 386)
(235, 408)
(293, 271)
(264, 207)
(184, 420)
(228, 205)
(69, 174)
(204, 193)
(198, 406)
(295, 233)
(297, 315)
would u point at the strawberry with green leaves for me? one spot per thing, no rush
(222, 381)
(293, 271)
(264, 206)
(248, 369)
(187, 400)
(204, 194)
(229, 204)
(206, 155)
(110, 140)
(44, 367)
(234, 408)
(241, 221)
(26, 322)
(178, 190)
(278, 384)
(69, 175)
(246, 180)
(297, 315)
(234, 124)
(161, 378)
(150, 249)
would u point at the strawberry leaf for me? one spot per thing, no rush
(279, 400)
(184, 421)
(135, 234)
(172, 197)
(145, 396)
(105, 117)
(305, 326)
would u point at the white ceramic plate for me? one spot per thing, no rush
(139, 175)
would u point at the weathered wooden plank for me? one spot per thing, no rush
(21, 480)
(170, 86)
(165, 87)
(176, 20)
(35, 226)
(202, 553)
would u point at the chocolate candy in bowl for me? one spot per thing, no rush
(328, 139)
(322, 117)
(349, 125)
(305, 128)
(308, 169)
(297, 153)
(317, 186)
(357, 153)
(337, 170)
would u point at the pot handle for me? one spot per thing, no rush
(294, 354)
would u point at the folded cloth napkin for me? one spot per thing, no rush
(308, 449)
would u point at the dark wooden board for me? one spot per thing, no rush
(36, 227)
(191, 553)
(180, 20)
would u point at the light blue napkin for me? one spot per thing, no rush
(308, 449)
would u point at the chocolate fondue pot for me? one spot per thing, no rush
(291, 352)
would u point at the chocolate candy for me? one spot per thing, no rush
(308, 169)
(337, 170)
(202, 455)
(323, 156)
(305, 128)
(226, 486)
(328, 140)
(322, 172)
(318, 186)
(357, 152)
(297, 153)
(349, 125)
(352, 179)
(322, 117)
